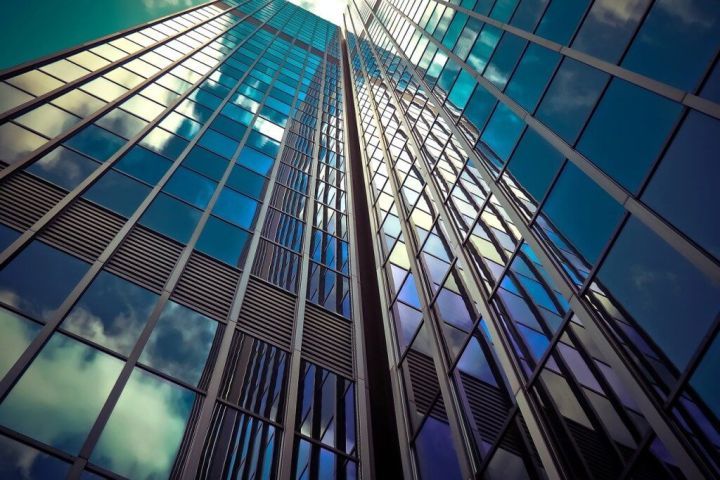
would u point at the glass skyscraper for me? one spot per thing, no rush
(444, 240)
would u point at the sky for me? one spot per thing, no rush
(331, 10)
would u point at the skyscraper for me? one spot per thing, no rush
(443, 240)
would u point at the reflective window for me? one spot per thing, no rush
(122, 123)
(218, 143)
(206, 162)
(582, 212)
(15, 142)
(532, 75)
(528, 13)
(480, 106)
(704, 381)
(504, 59)
(461, 91)
(143, 434)
(144, 165)
(223, 241)
(180, 343)
(61, 393)
(246, 181)
(502, 133)
(684, 187)
(112, 312)
(171, 217)
(534, 164)
(17, 333)
(676, 42)
(265, 144)
(561, 19)
(236, 208)
(165, 143)
(7, 236)
(96, 142)
(118, 192)
(191, 187)
(659, 288)
(627, 131)
(570, 98)
(228, 127)
(63, 167)
(48, 120)
(18, 460)
(38, 279)
(79, 103)
(435, 452)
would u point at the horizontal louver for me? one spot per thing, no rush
(208, 286)
(268, 313)
(24, 199)
(327, 340)
(146, 258)
(425, 386)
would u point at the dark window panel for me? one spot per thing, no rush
(143, 165)
(117, 192)
(171, 217)
(63, 167)
(191, 187)
(96, 142)
(223, 241)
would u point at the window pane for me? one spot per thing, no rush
(164, 143)
(435, 452)
(48, 120)
(38, 279)
(659, 288)
(17, 333)
(7, 236)
(264, 144)
(236, 208)
(255, 161)
(223, 241)
(180, 343)
(247, 182)
(191, 187)
(122, 123)
(534, 164)
(18, 460)
(63, 167)
(15, 142)
(206, 162)
(684, 187)
(504, 59)
(501, 134)
(96, 142)
(112, 312)
(143, 434)
(171, 217)
(561, 19)
(532, 75)
(58, 398)
(218, 143)
(705, 378)
(627, 131)
(143, 165)
(118, 192)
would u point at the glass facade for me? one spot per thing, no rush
(188, 269)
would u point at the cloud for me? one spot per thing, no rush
(330, 10)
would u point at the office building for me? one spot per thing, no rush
(465, 239)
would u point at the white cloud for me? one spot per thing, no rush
(330, 10)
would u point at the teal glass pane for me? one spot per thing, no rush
(582, 212)
(676, 43)
(180, 125)
(711, 89)
(528, 13)
(532, 75)
(265, 144)
(112, 312)
(63, 167)
(502, 133)
(171, 217)
(218, 143)
(608, 27)
(627, 131)
(238, 114)
(246, 181)
(228, 127)
(20, 461)
(453, 31)
(561, 20)
(467, 38)
(236, 208)
(143, 165)
(164, 143)
(180, 343)
(448, 75)
(503, 10)
(480, 106)
(684, 187)
(38, 279)
(657, 287)
(461, 91)
(143, 434)
(96, 142)
(534, 164)
(191, 187)
(223, 241)
(206, 162)
(484, 46)
(256, 161)
(504, 59)
(117, 192)
(570, 98)
(61, 393)
(17, 333)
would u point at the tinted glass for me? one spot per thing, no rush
(236, 208)
(561, 20)
(59, 396)
(246, 181)
(502, 132)
(223, 241)
(534, 164)
(18, 460)
(191, 187)
(112, 312)
(63, 167)
(180, 343)
(17, 333)
(144, 165)
(38, 279)
(435, 453)
(145, 428)
(164, 143)
(118, 192)
(96, 142)
(171, 217)
(7, 236)
(206, 162)
(532, 75)
(704, 381)
(218, 143)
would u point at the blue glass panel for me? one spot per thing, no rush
(191, 187)
(206, 162)
(228, 127)
(608, 27)
(435, 452)
(236, 208)
(561, 20)
(7, 236)
(627, 131)
(218, 143)
(479, 108)
(676, 42)
(112, 312)
(659, 288)
(20, 461)
(238, 114)
(63, 167)
(570, 98)
(143, 165)
(503, 9)
(246, 181)
(582, 212)
(256, 161)
(484, 46)
(165, 143)
(532, 75)
(117, 192)
(171, 217)
(17, 333)
(534, 164)
(157, 426)
(265, 144)
(711, 89)
(528, 14)
(61, 393)
(474, 362)
(705, 379)
(504, 59)
(223, 241)
(502, 133)
(684, 187)
(38, 279)
(96, 142)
